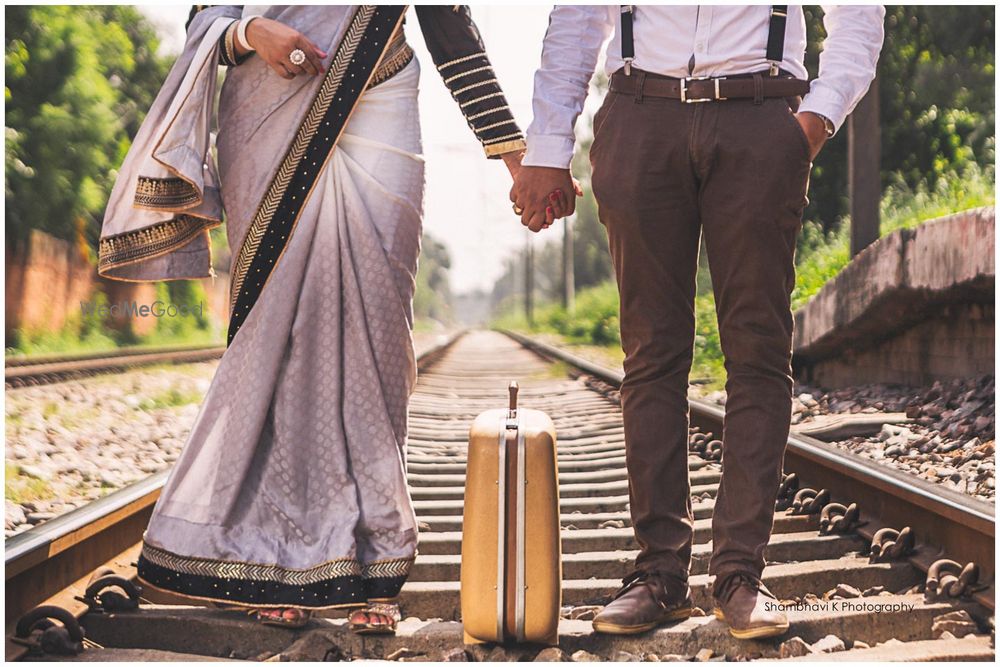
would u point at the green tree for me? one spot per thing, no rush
(78, 82)
(432, 299)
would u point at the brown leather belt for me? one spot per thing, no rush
(706, 89)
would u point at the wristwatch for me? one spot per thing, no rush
(827, 125)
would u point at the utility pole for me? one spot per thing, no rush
(529, 279)
(864, 158)
(568, 272)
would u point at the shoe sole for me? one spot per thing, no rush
(753, 633)
(616, 629)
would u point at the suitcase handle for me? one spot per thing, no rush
(512, 406)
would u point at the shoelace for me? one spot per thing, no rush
(728, 586)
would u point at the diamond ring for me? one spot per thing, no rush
(297, 57)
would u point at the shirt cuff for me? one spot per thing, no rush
(549, 150)
(827, 103)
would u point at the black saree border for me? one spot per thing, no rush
(336, 584)
(357, 56)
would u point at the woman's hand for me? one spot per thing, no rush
(274, 40)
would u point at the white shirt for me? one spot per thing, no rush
(717, 40)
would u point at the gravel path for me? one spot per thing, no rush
(72, 442)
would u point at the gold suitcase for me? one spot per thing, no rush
(511, 554)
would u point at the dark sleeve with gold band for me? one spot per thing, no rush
(458, 52)
(227, 41)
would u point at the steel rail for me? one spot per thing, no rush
(957, 524)
(49, 372)
(46, 559)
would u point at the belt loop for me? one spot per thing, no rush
(758, 88)
(640, 81)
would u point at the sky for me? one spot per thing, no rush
(466, 204)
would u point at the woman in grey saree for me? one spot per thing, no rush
(291, 491)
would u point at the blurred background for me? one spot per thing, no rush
(80, 78)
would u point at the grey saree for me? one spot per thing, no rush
(291, 489)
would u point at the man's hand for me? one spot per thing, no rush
(544, 193)
(815, 130)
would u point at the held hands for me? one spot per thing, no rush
(815, 131)
(273, 42)
(543, 194)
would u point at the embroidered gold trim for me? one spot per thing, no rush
(481, 54)
(504, 147)
(509, 121)
(249, 605)
(165, 194)
(480, 84)
(494, 140)
(387, 569)
(392, 65)
(339, 567)
(487, 68)
(480, 99)
(487, 112)
(331, 83)
(149, 242)
(206, 567)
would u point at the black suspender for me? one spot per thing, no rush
(775, 37)
(628, 42)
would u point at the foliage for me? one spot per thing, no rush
(936, 87)
(432, 299)
(78, 81)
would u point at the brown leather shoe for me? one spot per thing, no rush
(646, 600)
(751, 611)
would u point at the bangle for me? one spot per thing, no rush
(241, 31)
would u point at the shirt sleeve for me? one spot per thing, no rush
(847, 63)
(569, 55)
(458, 52)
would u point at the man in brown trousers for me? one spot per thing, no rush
(710, 127)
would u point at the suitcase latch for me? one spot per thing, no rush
(512, 406)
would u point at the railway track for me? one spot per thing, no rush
(460, 380)
(24, 372)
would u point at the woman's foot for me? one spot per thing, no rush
(289, 617)
(377, 618)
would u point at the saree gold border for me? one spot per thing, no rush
(386, 568)
(251, 241)
(164, 194)
(248, 605)
(129, 248)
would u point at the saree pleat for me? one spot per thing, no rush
(292, 487)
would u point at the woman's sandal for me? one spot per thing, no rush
(388, 610)
(268, 616)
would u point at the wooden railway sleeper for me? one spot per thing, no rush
(37, 631)
(948, 579)
(889, 544)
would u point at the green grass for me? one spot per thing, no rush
(21, 488)
(170, 398)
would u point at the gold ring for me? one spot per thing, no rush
(517, 210)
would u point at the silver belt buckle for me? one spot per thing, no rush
(684, 89)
